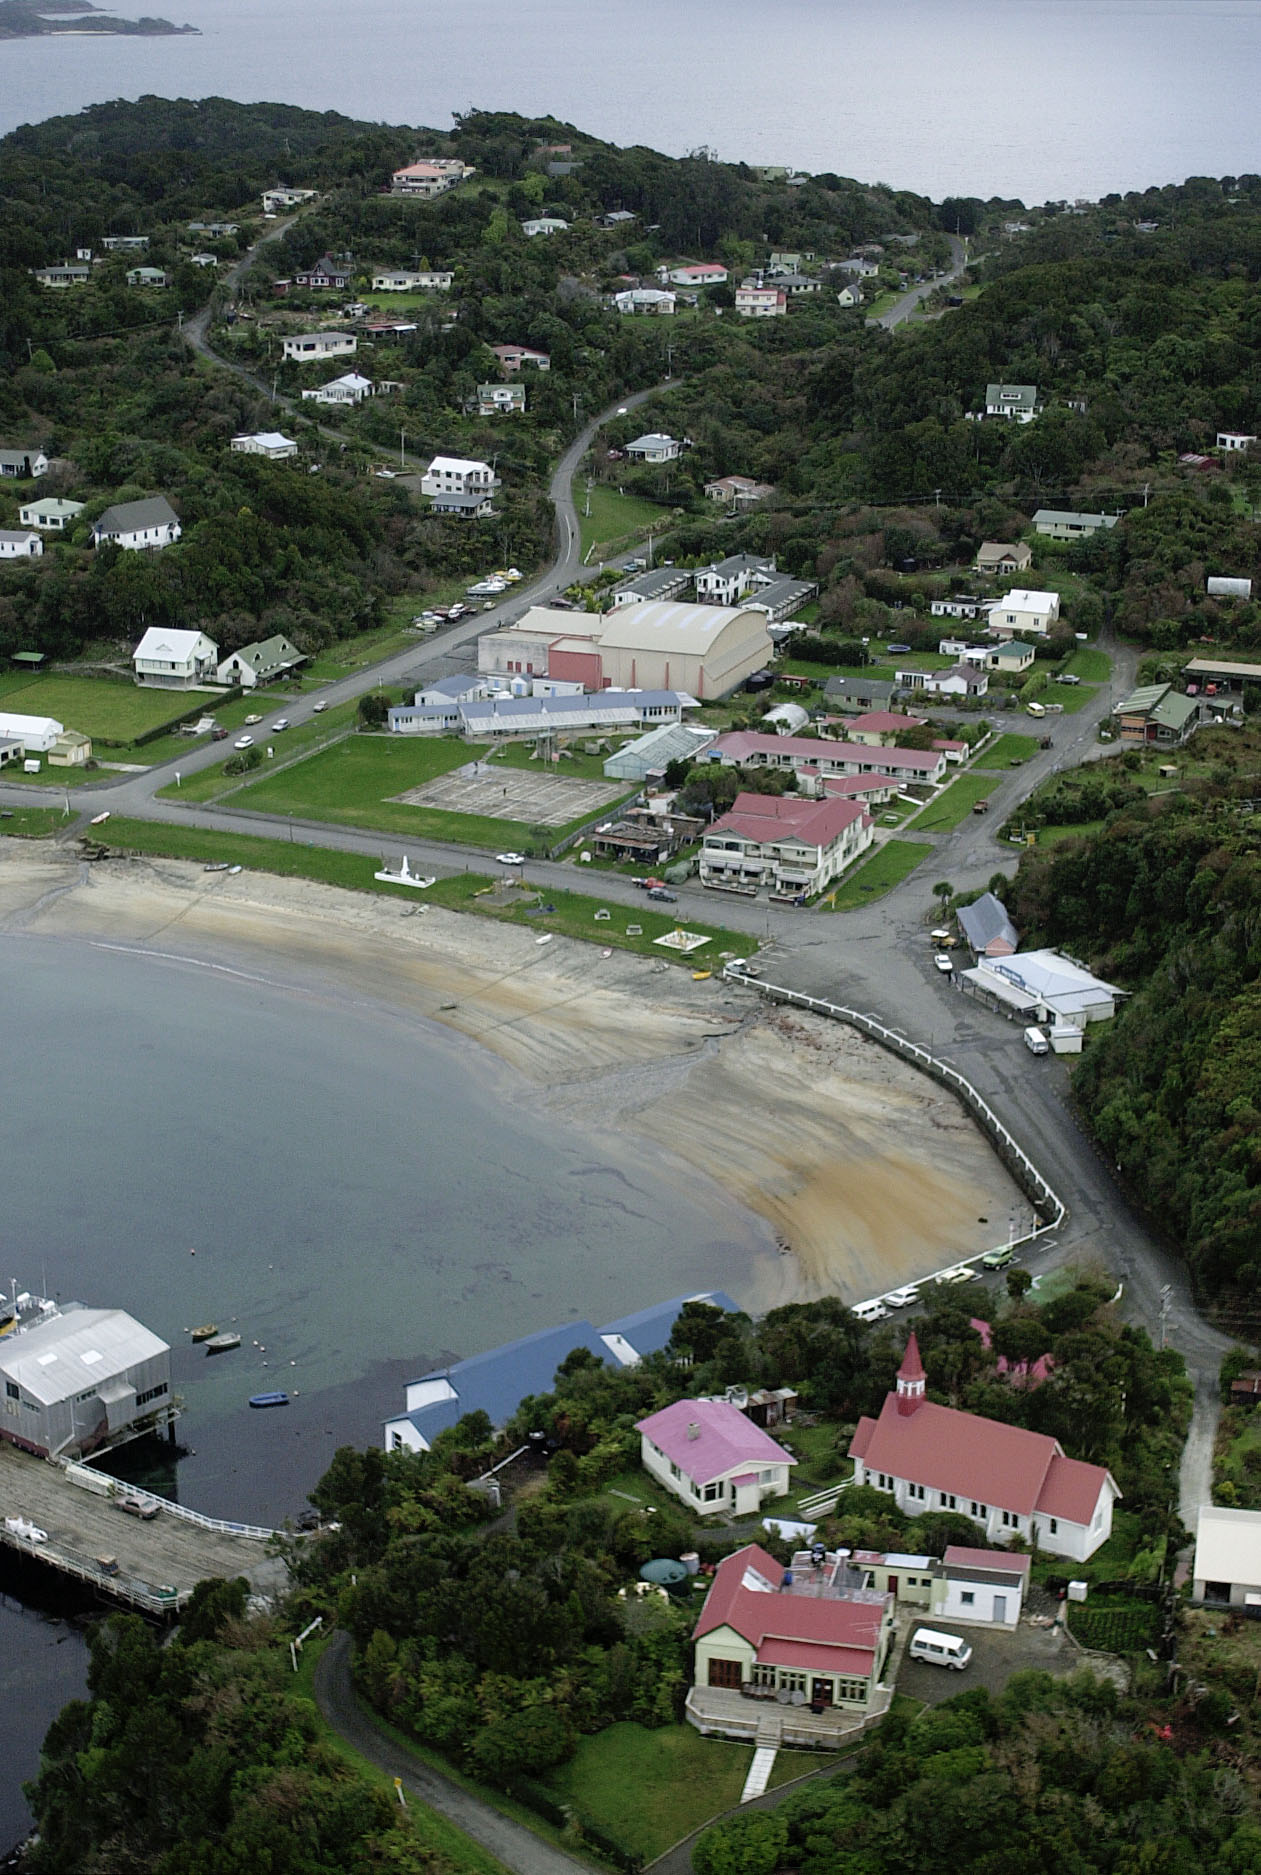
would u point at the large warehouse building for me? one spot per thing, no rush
(81, 1380)
(706, 650)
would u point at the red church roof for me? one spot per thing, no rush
(912, 1367)
(978, 1460)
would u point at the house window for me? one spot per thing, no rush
(795, 1682)
(13, 1390)
(967, 1598)
(714, 1492)
(763, 1675)
(949, 1501)
(1053, 1524)
(916, 1491)
(980, 1512)
(1010, 1520)
(675, 1472)
(151, 1393)
(852, 1692)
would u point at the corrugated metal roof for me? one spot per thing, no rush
(75, 1351)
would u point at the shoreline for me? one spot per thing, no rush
(864, 1173)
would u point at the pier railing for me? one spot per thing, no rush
(103, 1486)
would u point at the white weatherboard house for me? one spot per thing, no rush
(82, 1380)
(351, 388)
(1022, 613)
(1012, 1482)
(457, 485)
(22, 464)
(309, 346)
(654, 448)
(138, 525)
(24, 545)
(269, 443)
(173, 660)
(53, 514)
(258, 663)
(709, 1454)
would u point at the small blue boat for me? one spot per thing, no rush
(269, 1399)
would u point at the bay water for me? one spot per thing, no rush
(359, 1193)
(1036, 99)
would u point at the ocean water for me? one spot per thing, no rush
(359, 1193)
(1037, 99)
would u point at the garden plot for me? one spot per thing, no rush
(509, 794)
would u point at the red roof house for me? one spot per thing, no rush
(787, 843)
(1013, 1482)
(806, 1636)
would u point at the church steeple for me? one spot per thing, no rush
(911, 1379)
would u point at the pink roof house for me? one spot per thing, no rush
(713, 1457)
(1019, 1373)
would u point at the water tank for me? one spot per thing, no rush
(788, 1578)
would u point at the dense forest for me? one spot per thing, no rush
(1060, 1776)
(1166, 901)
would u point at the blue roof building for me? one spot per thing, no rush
(497, 1381)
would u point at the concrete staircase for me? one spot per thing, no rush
(759, 1771)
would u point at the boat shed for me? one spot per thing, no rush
(497, 1381)
(81, 1380)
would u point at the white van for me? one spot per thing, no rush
(1036, 1042)
(1036, 709)
(869, 1311)
(940, 1650)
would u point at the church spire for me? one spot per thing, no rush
(911, 1379)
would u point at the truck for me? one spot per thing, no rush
(981, 807)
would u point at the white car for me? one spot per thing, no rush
(252, 719)
(243, 742)
(281, 722)
(961, 1273)
(944, 964)
(902, 1298)
(511, 859)
(320, 707)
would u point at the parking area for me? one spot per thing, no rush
(996, 1655)
(497, 793)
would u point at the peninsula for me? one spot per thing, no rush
(19, 19)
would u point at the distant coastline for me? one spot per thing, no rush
(22, 19)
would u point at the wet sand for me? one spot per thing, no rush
(867, 1172)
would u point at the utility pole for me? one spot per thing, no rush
(1166, 1293)
(402, 444)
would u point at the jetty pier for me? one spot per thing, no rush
(155, 1562)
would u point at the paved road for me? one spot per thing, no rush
(904, 307)
(517, 1847)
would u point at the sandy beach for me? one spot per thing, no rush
(867, 1173)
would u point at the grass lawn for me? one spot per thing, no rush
(649, 1788)
(955, 803)
(614, 521)
(575, 762)
(212, 782)
(29, 823)
(432, 1832)
(1006, 750)
(1092, 666)
(350, 784)
(883, 303)
(818, 1464)
(1074, 697)
(99, 706)
(895, 861)
(573, 914)
(1051, 836)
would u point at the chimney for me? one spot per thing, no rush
(693, 1429)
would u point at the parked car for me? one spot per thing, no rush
(255, 718)
(135, 1506)
(902, 1298)
(218, 733)
(943, 939)
(958, 1273)
(243, 742)
(662, 896)
(997, 1259)
(870, 1312)
(321, 706)
(511, 859)
(981, 807)
(281, 722)
(944, 964)
(1066, 677)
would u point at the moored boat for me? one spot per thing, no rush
(269, 1399)
(223, 1344)
(205, 1332)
